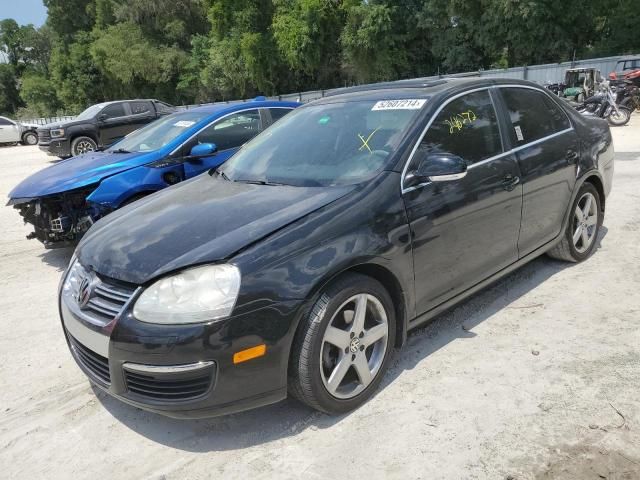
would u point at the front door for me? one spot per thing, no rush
(464, 230)
(113, 123)
(9, 131)
(228, 133)
(548, 150)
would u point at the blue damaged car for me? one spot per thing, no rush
(65, 199)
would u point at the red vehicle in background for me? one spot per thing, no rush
(626, 82)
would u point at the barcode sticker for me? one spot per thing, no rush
(519, 133)
(405, 104)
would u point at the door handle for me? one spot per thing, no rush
(572, 156)
(509, 182)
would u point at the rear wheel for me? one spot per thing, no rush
(581, 233)
(343, 347)
(82, 145)
(30, 138)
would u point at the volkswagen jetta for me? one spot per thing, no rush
(298, 265)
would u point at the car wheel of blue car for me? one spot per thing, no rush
(82, 145)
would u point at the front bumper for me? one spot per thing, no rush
(57, 147)
(184, 371)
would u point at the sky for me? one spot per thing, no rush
(24, 11)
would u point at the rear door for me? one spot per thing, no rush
(9, 131)
(464, 230)
(113, 123)
(547, 149)
(142, 112)
(228, 133)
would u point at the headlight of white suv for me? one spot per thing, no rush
(199, 294)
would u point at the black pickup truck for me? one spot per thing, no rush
(99, 126)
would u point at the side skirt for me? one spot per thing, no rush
(425, 317)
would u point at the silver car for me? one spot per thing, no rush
(12, 131)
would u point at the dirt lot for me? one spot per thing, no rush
(536, 377)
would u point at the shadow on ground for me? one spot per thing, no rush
(58, 258)
(290, 417)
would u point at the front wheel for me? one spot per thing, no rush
(82, 145)
(30, 138)
(619, 118)
(342, 348)
(579, 239)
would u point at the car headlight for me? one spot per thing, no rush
(75, 274)
(57, 132)
(199, 294)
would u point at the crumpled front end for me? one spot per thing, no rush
(59, 220)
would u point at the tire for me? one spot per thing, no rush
(81, 145)
(621, 119)
(30, 138)
(580, 225)
(315, 353)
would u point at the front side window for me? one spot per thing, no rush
(533, 115)
(328, 144)
(114, 111)
(466, 127)
(232, 131)
(4, 121)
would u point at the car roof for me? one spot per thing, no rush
(418, 88)
(241, 105)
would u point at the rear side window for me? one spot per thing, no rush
(278, 113)
(466, 127)
(163, 108)
(114, 111)
(232, 131)
(533, 115)
(140, 108)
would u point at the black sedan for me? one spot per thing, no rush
(298, 265)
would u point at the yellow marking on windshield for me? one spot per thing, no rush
(456, 122)
(365, 143)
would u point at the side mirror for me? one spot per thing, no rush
(437, 167)
(102, 117)
(203, 150)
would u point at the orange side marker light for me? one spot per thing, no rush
(249, 353)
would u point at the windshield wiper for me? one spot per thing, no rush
(119, 150)
(261, 182)
(223, 175)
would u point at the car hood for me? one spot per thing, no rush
(64, 123)
(78, 172)
(199, 221)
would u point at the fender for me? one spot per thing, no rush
(116, 189)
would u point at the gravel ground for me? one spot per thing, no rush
(536, 377)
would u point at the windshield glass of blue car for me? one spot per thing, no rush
(325, 145)
(157, 134)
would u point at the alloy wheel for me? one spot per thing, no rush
(84, 146)
(354, 346)
(585, 221)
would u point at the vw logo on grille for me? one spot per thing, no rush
(85, 291)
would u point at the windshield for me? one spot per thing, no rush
(325, 145)
(157, 134)
(90, 112)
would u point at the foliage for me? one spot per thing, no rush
(185, 51)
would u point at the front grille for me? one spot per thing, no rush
(44, 136)
(97, 365)
(107, 299)
(172, 387)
